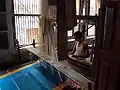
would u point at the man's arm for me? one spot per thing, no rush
(74, 48)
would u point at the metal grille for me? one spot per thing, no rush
(27, 21)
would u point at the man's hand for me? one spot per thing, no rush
(70, 52)
(72, 55)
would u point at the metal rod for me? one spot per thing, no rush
(22, 30)
(18, 8)
(26, 15)
(30, 30)
(25, 6)
(16, 25)
(87, 17)
(19, 31)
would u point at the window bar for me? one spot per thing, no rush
(17, 28)
(29, 6)
(14, 5)
(33, 27)
(33, 21)
(24, 19)
(22, 37)
(18, 7)
(24, 6)
(39, 27)
(29, 23)
(32, 24)
(28, 30)
(21, 30)
(37, 32)
(36, 7)
(24, 29)
(32, 8)
(21, 6)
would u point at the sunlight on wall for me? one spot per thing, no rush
(77, 7)
(91, 31)
(92, 7)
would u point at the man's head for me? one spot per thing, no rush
(78, 36)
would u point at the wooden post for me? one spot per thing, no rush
(9, 25)
(61, 31)
(42, 35)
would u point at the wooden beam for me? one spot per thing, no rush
(70, 14)
(61, 31)
(87, 17)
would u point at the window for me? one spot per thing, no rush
(69, 33)
(77, 7)
(91, 31)
(76, 28)
(27, 16)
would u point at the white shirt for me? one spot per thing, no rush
(80, 49)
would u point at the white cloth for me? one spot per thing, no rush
(80, 49)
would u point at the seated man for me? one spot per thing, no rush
(80, 49)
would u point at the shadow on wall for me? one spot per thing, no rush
(12, 60)
(70, 45)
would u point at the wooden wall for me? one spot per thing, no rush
(6, 28)
(107, 59)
